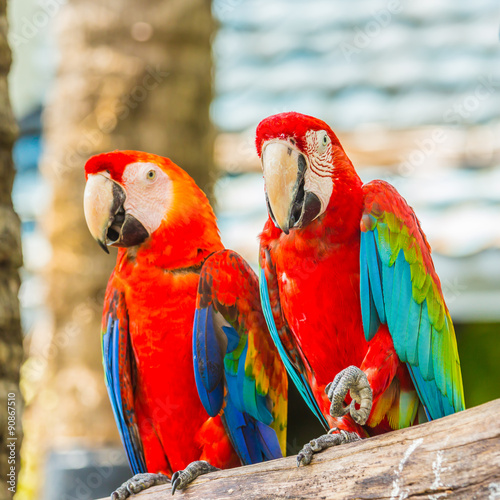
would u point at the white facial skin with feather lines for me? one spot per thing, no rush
(286, 166)
(318, 176)
(149, 194)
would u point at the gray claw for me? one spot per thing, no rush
(354, 380)
(322, 443)
(305, 456)
(182, 478)
(139, 482)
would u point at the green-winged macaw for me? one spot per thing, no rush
(349, 290)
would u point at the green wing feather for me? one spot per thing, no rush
(400, 287)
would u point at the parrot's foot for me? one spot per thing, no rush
(354, 380)
(334, 437)
(138, 483)
(182, 478)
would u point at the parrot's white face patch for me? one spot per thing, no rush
(319, 176)
(149, 193)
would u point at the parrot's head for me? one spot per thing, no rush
(130, 195)
(301, 160)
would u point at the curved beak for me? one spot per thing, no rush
(107, 221)
(288, 203)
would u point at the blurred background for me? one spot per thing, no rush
(412, 89)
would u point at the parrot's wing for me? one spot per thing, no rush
(236, 365)
(119, 372)
(281, 335)
(400, 287)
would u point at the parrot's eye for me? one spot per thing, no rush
(151, 174)
(323, 139)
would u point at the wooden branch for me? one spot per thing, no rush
(453, 457)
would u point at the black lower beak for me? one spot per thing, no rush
(132, 232)
(306, 205)
(298, 201)
(124, 230)
(103, 246)
(310, 210)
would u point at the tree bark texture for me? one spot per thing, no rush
(11, 349)
(456, 457)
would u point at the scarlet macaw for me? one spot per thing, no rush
(349, 290)
(212, 390)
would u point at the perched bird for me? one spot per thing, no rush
(191, 371)
(349, 290)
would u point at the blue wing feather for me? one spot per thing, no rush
(411, 332)
(434, 402)
(253, 441)
(233, 339)
(207, 349)
(396, 291)
(129, 436)
(400, 316)
(296, 377)
(375, 278)
(117, 396)
(371, 320)
(268, 440)
(424, 345)
(207, 361)
(245, 412)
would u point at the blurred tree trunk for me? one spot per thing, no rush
(11, 351)
(133, 74)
